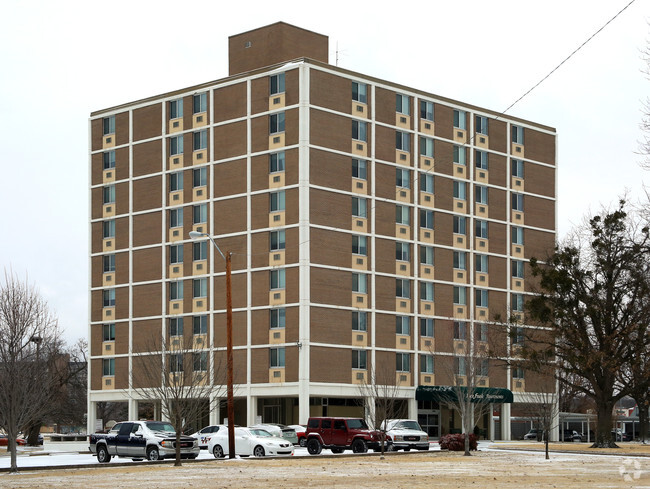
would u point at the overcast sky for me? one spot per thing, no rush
(60, 60)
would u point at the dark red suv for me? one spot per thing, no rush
(340, 434)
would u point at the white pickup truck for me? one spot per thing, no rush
(406, 434)
(153, 440)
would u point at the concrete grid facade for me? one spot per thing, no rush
(371, 225)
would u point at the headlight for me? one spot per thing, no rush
(167, 444)
(399, 437)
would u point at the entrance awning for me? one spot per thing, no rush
(445, 393)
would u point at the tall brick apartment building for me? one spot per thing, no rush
(374, 228)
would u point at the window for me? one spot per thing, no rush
(481, 298)
(108, 228)
(176, 181)
(402, 178)
(518, 336)
(459, 119)
(108, 366)
(200, 102)
(200, 177)
(460, 258)
(200, 361)
(481, 125)
(359, 92)
(517, 373)
(517, 302)
(518, 202)
(200, 140)
(200, 287)
(109, 160)
(427, 327)
(482, 332)
(276, 123)
(426, 364)
(402, 215)
(359, 169)
(360, 283)
(109, 263)
(108, 332)
(426, 183)
(359, 207)
(109, 297)
(276, 162)
(517, 168)
(426, 147)
(359, 321)
(276, 84)
(359, 359)
(402, 104)
(460, 330)
(459, 155)
(403, 363)
(402, 288)
(176, 362)
(426, 110)
(426, 219)
(200, 213)
(109, 125)
(276, 201)
(276, 357)
(426, 291)
(200, 250)
(460, 295)
(176, 145)
(176, 108)
(359, 245)
(175, 291)
(460, 190)
(426, 255)
(176, 253)
(460, 224)
(176, 327)
(402, 251)
(276, 240)
(359, 131)
(459, 366)
(402, 325)
(517, 133)
(200, 325)
(481, 194)
(481, 229)
(517, 268)
(277, 318)
(277, 279)
(481, 262)
(517, 235)
(402, 141)
(481, 159)
(176, 218)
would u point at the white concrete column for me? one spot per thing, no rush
(91, 417)
(251, 410)
(133, 409)
(490, 434)
(412, 408)
(505, 421)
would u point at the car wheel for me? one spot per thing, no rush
(103, 456)
(359, 446)
(153, 454)
(217, 451)
(258, 451)
(303, 442)
(314, 447)
(337, 450)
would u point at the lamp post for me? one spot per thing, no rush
(229, 359)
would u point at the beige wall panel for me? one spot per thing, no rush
(230, 215)
(146, 194)
(230, 140)
(330, 91)
(331, 130)
(230, 102)
(330, 209)
(147, 299)
(148, 228)
(333, 326)
(146, 264)
(147, 158)
(331, 365)
(147, 122)
(539, 146)
(332, 287)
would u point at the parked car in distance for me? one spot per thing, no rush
(570, 435)
(204, 434)
(339, 434)
(4, 441)
(406, 434)
(534, 434)
(619, 435)
(279, 430)
(301, 433)
(254, 442)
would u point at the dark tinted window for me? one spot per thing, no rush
(326, 424)
(313, 423)
(125, 429)
(357, 424)
(339, 424)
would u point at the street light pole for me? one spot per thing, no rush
(229, 356)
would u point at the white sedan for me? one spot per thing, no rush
(204, 435)
(249, 441)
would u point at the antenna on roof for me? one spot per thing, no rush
(338, 52)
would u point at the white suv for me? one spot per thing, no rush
(406, 434)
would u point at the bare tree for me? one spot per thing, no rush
(542, 409)
(176, 374)
(30, 357)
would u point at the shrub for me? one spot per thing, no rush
(456, 443)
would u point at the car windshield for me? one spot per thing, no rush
(356, 424)
(408, 425)
(261, 433)
(160, 426)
